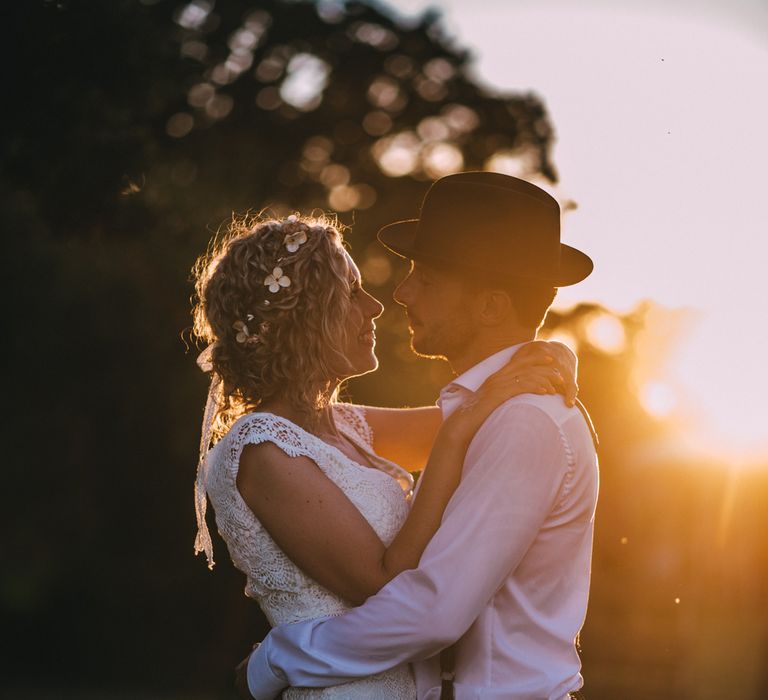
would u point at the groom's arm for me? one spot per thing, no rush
(514, 472)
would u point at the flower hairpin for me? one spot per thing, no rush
(295, 237)
(294, 241)
(277, 280)
(244, 336)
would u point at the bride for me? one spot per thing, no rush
(307, 491)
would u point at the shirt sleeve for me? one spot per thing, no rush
(516, 470)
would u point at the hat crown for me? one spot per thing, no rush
(494, 223)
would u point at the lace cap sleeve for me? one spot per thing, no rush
(353, 418)
(256, 428)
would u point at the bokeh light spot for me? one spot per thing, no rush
(384, 92)
(374, 35)
(179, 125)
(439, 70)
(270, 69)
(193, 15)
(200, 93)
(257, 22)
(366, 196)
(460, 118)
(194, 48)
(238, 63)
(219, 106)
(397, 155)
(512, 162)
(400, 66)
(441, 159)
(343, 198)
(658, 399)
(269, 98)
(433, 129)
(307, 78)
(334, 175)
(331, 11)
(431, 90)
(318, 148)
(243, 40)
(605, 332)
(377, 123)
(376, 270)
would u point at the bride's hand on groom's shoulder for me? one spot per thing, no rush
(542, 370)
(537, 368)
(552, 362)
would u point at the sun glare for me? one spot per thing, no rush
(605, 332)
(722, 367)
(658, 399)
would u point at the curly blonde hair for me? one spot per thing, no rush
(294, 347)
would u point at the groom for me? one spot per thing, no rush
(507, 574)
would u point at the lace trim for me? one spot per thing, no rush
(353, 418)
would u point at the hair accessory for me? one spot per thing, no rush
(295, 236)
(204, 359)
(203, 541)
(245, 336)
(294, 241)
(276, 280)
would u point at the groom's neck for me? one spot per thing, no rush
(485, 345)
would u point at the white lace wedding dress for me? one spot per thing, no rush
(283, 591)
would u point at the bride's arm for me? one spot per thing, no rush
(405, 435)
(325, 535)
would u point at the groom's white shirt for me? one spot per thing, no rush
(508, 569)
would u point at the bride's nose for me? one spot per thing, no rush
(375, 307)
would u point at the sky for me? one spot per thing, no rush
(660, 111)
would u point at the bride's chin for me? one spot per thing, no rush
(360, 366)
(369, 364)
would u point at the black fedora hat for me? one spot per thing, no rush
(490, 223)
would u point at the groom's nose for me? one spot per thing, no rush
(403, 293)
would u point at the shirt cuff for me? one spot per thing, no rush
(263, 682)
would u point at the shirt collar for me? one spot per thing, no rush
(460, 389)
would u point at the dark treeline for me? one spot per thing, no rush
(132, 131)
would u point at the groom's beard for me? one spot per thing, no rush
(443, 339)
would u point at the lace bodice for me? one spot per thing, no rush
(283, 591)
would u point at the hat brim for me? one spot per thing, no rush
(400, 236)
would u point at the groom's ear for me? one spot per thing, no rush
(494, 307)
